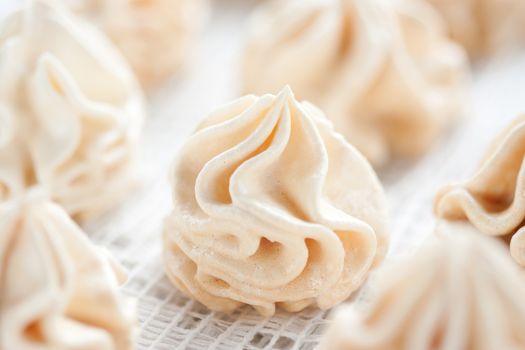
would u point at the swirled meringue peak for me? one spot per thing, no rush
(484, 27)
(383, 71)
(493, 200)
(72, 107)
(272, 208)
(157, 37)
(460, 291)
(57, 291)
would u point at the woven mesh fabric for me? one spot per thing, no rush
(132, 231)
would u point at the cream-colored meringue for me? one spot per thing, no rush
(72, 108)
(460, 291)
(382, 70)
(157, 37)
(272, 208)
(484, 26)
(493, 200)
(57, 291)
(12, 156)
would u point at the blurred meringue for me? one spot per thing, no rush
(484, 26)
(73, 110)
(157, 37)
(460, 291)
(272, 208)
(383, 71)
(57, 291)
(493, 200)
(12, 156)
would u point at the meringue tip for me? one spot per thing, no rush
(286, 91)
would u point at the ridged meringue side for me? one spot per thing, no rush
(383, 71)
(12, 156)
(272, 208)
(157, 37)
(460, 291)
(73, 109)
(493, 200)
(484, 27)
(57, 291)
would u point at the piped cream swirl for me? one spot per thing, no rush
(272, 207)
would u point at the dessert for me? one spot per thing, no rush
(272, 208)
(493, 199)
(72, 107)
(156, 36)
(460, 291)
(11, 157)
(57, 291)
(484, 26)
(383, 71)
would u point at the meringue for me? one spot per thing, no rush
(493, 200)
(272, 208)
(383, 71)
(65, 295)
(484, 26)
(157, 37)
(73, 110)
(12, 157)
(460, 291)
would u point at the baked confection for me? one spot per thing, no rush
(66, 295)
(156, 36)
(493, 199)
(383, 71)
(484, 26)
(73, 110)
(272, 207)
(460, 291)
(11, 157)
